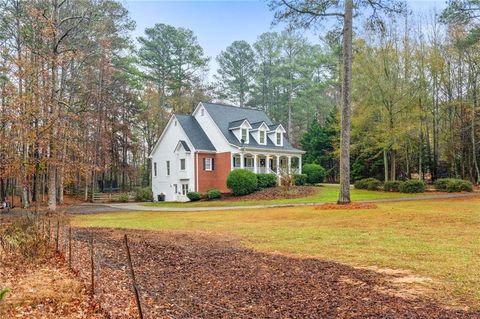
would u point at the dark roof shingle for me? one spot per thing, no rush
(195, 133)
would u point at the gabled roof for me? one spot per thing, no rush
(257, 125)
(195, 133)
(184, 145)
(223, 115)
(237, 124)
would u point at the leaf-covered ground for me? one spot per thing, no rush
(199, 275)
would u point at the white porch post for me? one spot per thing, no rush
(255, 163)
(267, 163)
(242, 162)
(278, 165)
(232, 162)
(300, 164)
(289, 167)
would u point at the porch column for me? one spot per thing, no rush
(242, 162)
(278, 165)
(289, 165)
(255, 163)
(300, 164)
(267, 163)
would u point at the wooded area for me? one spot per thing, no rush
(82, 103)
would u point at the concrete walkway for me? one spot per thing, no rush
(115, 207)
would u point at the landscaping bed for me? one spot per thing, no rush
(277, 193)
(186, 275)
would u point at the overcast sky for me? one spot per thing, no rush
(218, 23)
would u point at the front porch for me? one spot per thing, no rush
(268, 163)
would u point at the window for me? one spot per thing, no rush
(236, 161)
(155, 169)
(244, 135)
(168, 168)
(208, 164)
(248, 161)
(182, 164)
(262, 136)
(202, 112)
(184, 189)
(279, 138)
(175, 123)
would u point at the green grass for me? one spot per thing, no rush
(326, 193)
(436, 238)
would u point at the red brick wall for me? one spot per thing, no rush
(216, 178)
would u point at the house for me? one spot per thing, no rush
(197, 152)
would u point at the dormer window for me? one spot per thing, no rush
(202, 112)
(262, 137)
(245, 135)
(279, 138)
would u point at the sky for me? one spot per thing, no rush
(217, 23)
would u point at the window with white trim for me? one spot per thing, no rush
(155, 169)
(202, 112)
(279, 138)
(244, 135)
(262, 136)
(208, 164)
(182, 164)
(184, 189)
(168, 168)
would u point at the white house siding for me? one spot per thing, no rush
(164, 152)
(212, 131)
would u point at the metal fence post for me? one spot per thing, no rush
(134, 283)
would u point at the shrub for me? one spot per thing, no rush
(143, 194)
(413, 186)
(194, 196)
(392, 186)
(3, 293)
(123, 198)
(242, 182)
(24, 237)
(370, 183)
(315, 173)
(266, 180)
(213, 193)
(300, 179)
(452, 185)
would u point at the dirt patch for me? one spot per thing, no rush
(277, 193)
(348, 206)
(195, 275)
(44, 289)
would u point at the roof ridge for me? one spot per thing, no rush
(237, 107)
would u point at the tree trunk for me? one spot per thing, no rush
(344, 196)
(385, 165)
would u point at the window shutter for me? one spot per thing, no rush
(204, 163)
(213, 164)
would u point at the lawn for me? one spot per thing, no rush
(438, 239)
(326, 193)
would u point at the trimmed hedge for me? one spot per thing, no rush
(315, 173)
(300, 179)
(413, 186)
(213, 193)
(392, 186)
(242, 182)
(194, 196)
(266, 180)
(143, 194)
(370, 183)
(453, 185)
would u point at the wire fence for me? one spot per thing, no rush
(118, 280)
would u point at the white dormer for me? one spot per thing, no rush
(259, 132)
(241, 129)
(276, 134)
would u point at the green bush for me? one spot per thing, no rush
(266, 180)
(143, 194)
(3, 293)
(453, 185)
(315, 173)
(300, 179)
(123, 198)
(242, 182)
(213, 193)
(392, 186)
(370, 183)
(194, 196)
(413, 186)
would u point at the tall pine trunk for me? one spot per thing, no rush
(344, 196)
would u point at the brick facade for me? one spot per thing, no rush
(217, 178)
